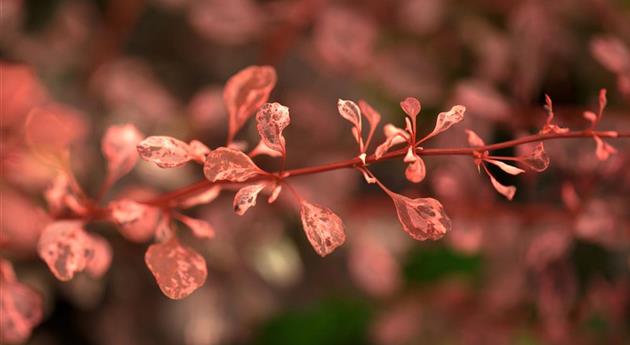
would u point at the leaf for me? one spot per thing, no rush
(394, 136)
(537, 160)
(323, 228)
(204, 197)
(21, 307)
(350, 111)
(263, 149)
(372, 116)
(245, 92)
(200, 228)
(474, 139)
(506, 191)
(135, 221)
(421, 218)
(603, 149)
(512, 170)
(246, 197)
(101, 257)
(373, 267)
(229, 165)
(275, 193)
(165, 152)
(591, 117)
(119, 148)
(271, 120)
(612, 53)
(446, 119)
(65, 247)
(416, 171)
(178, 269)
(198, 150)
(411, 107)
(602, 102)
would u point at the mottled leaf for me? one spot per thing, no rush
(135, 221)
(323, 228)
(245, 92)
(271, 120)
(101, 257)
(537, 160)
(198, 150)
(263, 149)
(21, 307)
(246, 197)
(416, 171)
(119, 148)
(229, 165)
(411, 107)
(178, 269)
(421, 218)
(372, 116)
(165, 152)
(446, 119)
(65, 247)
(394, 136)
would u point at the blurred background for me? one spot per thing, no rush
(550, 267)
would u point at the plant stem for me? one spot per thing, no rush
(168, 198)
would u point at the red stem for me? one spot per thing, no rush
(190, 190)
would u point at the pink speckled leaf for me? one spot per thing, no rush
(416, 170)
(246, 197)
(245, 92)
(421, 218)
(199, 227)
(119, 148)
(474, 139)
(65, 247)
(411, 107)
(263, 149)
(165, 152)
(507, 191)
(178, 269)
(447, 119)
(512, 170)
(135, 221)
(198, 151)
(323, 228)
(537, 160)
(229, 165)
(204, 197)
(603, 150)
(394, 136)
(271, 120)
(101, 257)
(21, 307)
(350, 111)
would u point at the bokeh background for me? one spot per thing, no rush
(550, 267)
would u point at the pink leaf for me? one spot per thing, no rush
(416, 171)
(101, 256)
(323, 228)
(198, 150)
(411, 107)
(394, 136)
(272, 119)
(603, 149)
(200, 228)
(56, 193)
(537, 160)
(372, 116)
(474, 139)
(246, 197)
(549, 126)
(506, 191)
(263, 149)
(165, 152)
(421, 218)
(119, 148)
(21, 307)
(591, 117)
(135, 221)
(350, 111)
(602, 102)
(612, 53)
(373, 267)
(229, 165)
(275, 193)
(446, 119)
(204, 197)
(245, 92)
(164, 230)
(512, 170)
(65, 247)
(178, 269)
